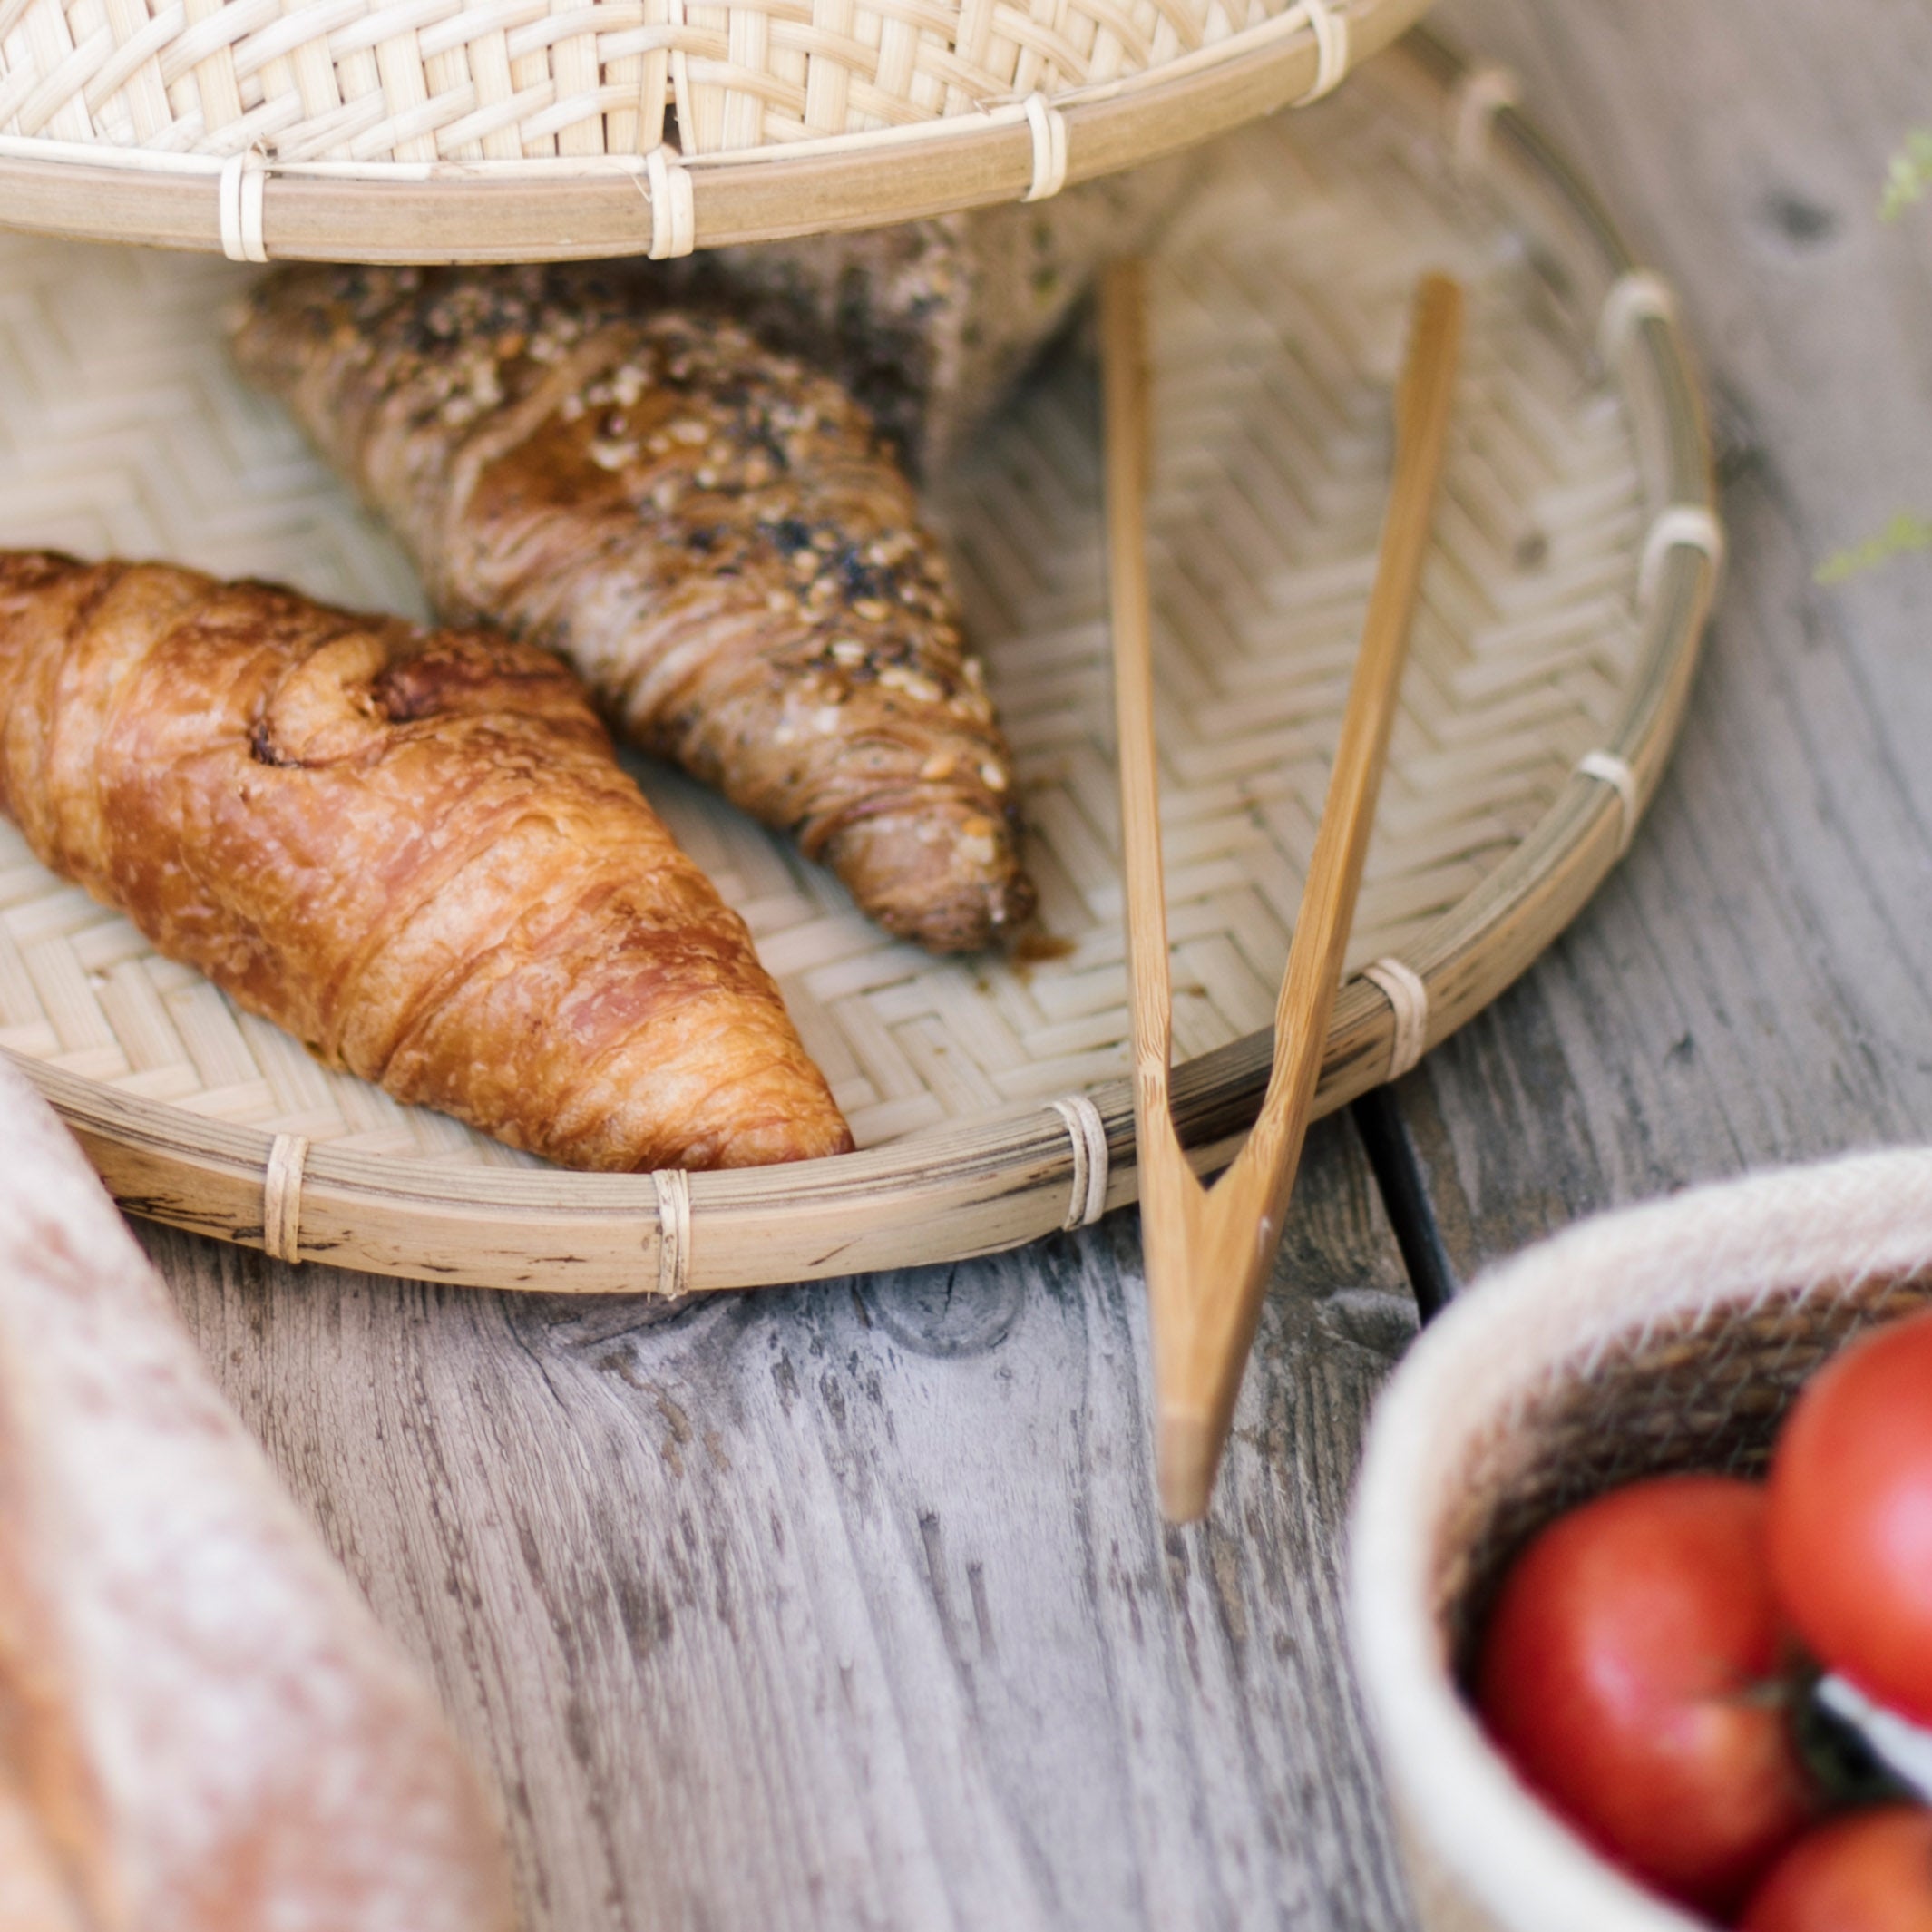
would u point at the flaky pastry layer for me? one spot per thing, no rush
(414, 850)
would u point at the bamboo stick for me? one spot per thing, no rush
(1208, 1250)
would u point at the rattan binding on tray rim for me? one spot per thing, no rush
(519, 130)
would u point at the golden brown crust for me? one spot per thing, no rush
(713, 536)
(414, 850)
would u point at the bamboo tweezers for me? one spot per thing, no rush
(1209, 1250)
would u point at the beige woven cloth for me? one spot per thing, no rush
(249, 1747)
(1669, 1336)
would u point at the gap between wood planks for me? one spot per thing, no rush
(1404, 1190)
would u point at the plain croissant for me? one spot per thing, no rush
(413, 850)
(714, 536)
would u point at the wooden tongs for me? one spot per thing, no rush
(1209, 1249)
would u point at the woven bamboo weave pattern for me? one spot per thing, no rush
(1278, 308)
(415, 81)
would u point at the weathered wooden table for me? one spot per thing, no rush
(848, 1606)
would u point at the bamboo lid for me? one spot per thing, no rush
(522, 129)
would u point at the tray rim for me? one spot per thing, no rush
(596, 206)
(1005, 1178)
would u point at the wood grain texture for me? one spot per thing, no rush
(1755, 983)
(848, 1606)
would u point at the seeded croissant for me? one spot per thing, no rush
(413, 850)
(714, 537)
(930, 324)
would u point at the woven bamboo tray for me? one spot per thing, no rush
(518, 129)
(1563, 604)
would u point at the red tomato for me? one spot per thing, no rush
(1851, 1516)
(1870, 1873)
(1630, 1672)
